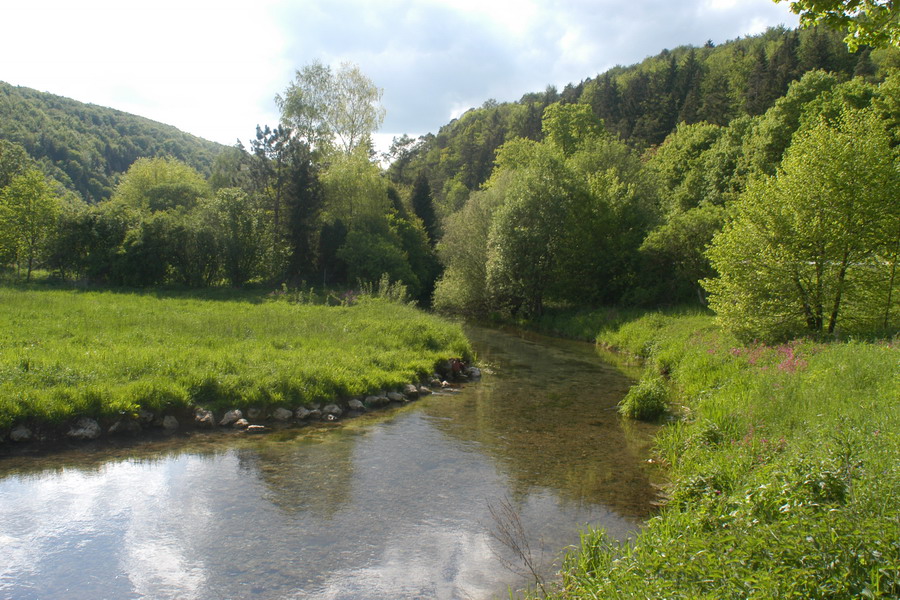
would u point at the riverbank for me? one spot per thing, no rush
(86, 364)
(783, 464)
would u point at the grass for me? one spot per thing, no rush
(66, 354)
(784, 470)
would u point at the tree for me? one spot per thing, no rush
(354, 189)
(240, 228)
(423, 206)
(529, 228)
(814, 247)
(157, 184)
(28, 213)
(464, 251)
(326, 107)
(14, 160)
(567, 126)
(870, 22)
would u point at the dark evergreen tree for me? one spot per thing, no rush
(303, 202)
(784, 65)
(759, 94)
(423, 205)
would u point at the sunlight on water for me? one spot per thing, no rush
(390, 505)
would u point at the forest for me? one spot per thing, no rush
(647, 185)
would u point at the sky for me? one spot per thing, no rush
(213, 67)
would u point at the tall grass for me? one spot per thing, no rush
(68, 353)
(785, 471)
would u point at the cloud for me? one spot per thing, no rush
(213, 67)
(436, 58)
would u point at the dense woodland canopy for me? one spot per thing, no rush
(759, 176)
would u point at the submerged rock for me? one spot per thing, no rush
(21, 434)
(282, 414)
(231, 417)
(85, 429)
(474, 372)
(204, 418)
(124, 427)
(376, 401)
(333, 409)
(257, 429)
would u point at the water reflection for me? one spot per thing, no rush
(393, 505)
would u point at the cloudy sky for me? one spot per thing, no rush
(213, 67)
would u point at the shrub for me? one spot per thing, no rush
(646, 400)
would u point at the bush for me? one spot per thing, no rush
(646, 400)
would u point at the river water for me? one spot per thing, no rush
(408, 503)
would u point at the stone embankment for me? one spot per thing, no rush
(250, 420)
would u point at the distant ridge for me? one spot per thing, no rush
(86, 146)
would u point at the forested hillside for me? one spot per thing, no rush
(86, 147)
(639, 104)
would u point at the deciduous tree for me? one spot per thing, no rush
(332, 108)
(28, 213)
(814, 247)
(870, 22)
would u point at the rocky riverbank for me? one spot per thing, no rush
(252, 420)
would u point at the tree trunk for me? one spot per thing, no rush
(842, 276)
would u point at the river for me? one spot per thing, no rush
(392, 505)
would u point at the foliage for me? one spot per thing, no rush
(354, 189)
(871, 22)
(816, 246)
(239, 223)
(464, 252)
(326, 107)
(528, 230)
(646, 400)
(68, 354)
(28, 213)
(423, 206)
(568, 126)
(86, 147)
(158, 184)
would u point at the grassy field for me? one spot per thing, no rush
(66, 353)
(784, 465)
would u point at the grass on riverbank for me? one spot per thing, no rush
(67, 353)
(785, 471)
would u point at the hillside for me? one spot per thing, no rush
(641, 104)
(86, 146)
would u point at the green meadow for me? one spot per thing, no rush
(67, 353)
(784, 464)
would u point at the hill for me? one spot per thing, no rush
(641, 104)
(85, 146)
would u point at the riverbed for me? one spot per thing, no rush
(391, 505)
